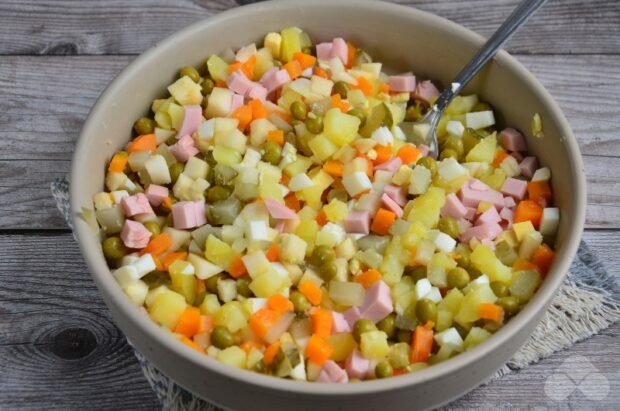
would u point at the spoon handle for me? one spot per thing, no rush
(503, 33)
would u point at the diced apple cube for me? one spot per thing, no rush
(455, 128)
(479, 119)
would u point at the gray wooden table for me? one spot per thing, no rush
(60, 350)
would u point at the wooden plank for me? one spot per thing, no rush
(60, 349)
(115, 27)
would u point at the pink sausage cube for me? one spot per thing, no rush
(199, 211)
(324, 51)
(136, 204)
(425, 91)
(332, 373)
(396, 193)
(357, 222)
(509, 202)
(463, 225)
(278, 79)
(377, 302)
(188, 214)
(470, 213)
(135, 235)
(506, 214)
(392, 205)
(528, 166)
(192, 117)
(514, 188)
(481, 232)
(340, 49)
(453, 207)
(239, 83)
(517, 156)
(280, 211)
(390, 165)
(257, 92)
(489, 217)
(357, 365)
(156, 194)
(352, 315)
(268, 74)
(513, 140)
(474, 191)
(403, 83)
(237, 101)
(184, 149)
(339, 323)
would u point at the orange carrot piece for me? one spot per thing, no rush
(351, 52)
(244, 115)
(543, 258)
(384, 153)
(143, 143)
(167, 203)
(528, 210)
(158, 265)
(321, 218)
(118, 163)
(279, 304)
(523, 265)
(320, 72)
(311, 291)
(384, 88)
(383, 221)
(364, 85)
(206, 324)
(337, 102)
(191, 344)
(237, 268)
(408, 154)
(421, 344)
(318, 350)
(172, 257)
(273, 253)
(189, 322)
(322, 323)
(540, 192)
(292, 202)
(491, 312)
(368, 277)
(248, 67)
(258, 109)
(262, 321)
(305, 60)
(220, 83)
(234, 66)
(277, 136)
(293, 68)
(158, 244)
(334, 168)
(271, 352)
(500, 156)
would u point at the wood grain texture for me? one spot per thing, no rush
(70, 27)
(60, 350)
(46, 100)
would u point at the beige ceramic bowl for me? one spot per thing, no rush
(404, 39)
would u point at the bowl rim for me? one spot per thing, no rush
(107, 284)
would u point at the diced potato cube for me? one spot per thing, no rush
(218, 68)
(425, 208)
(521, 229)
(420, 179)
(183, 280)
(210, 305)
(530, 242)
(484, 151)
(231, 315)
(256, 263)
(273, 42)
(219, 252)
(374, 345)
(167, 308)
(470, 306)
(185, 91)
(339, 127)
(137, 292)
(269, 283)
(550, 221)
(476, 336)
(293, 248)
(234, 356)
(343, 345)
(524, 285)
(485, 260)
(196, 168)
(322, 147)
(219, 102)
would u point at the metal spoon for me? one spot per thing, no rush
(431, 119)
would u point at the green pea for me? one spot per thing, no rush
(298, 110)
(509, 304)
(303, 146)
(463, 331)
(458, 278)
(321, 255)
(448, 153)
(474, 272)
(218, 193)
(430, 163)
(243, 287)
(463, 253)
(153, 227)
(416, 273)
(211, 283)
(481, 106)
(362, 326)
(291, 138)
(383, 370)
(403, 336)
(207, 86)
(204, 103)
(224, 175)
(456, 144)
(113, 248)
(499, 289)
(300, 302)
(388, 325)
(314, 124)
(175, 171)
(190, 72)
(144, 125)
(328, 271)
(272, 153)
(448, 225)
(210, 159)
(339, 194)
(222, 338)
(359, 114)
(341, 88)
(426, 310)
